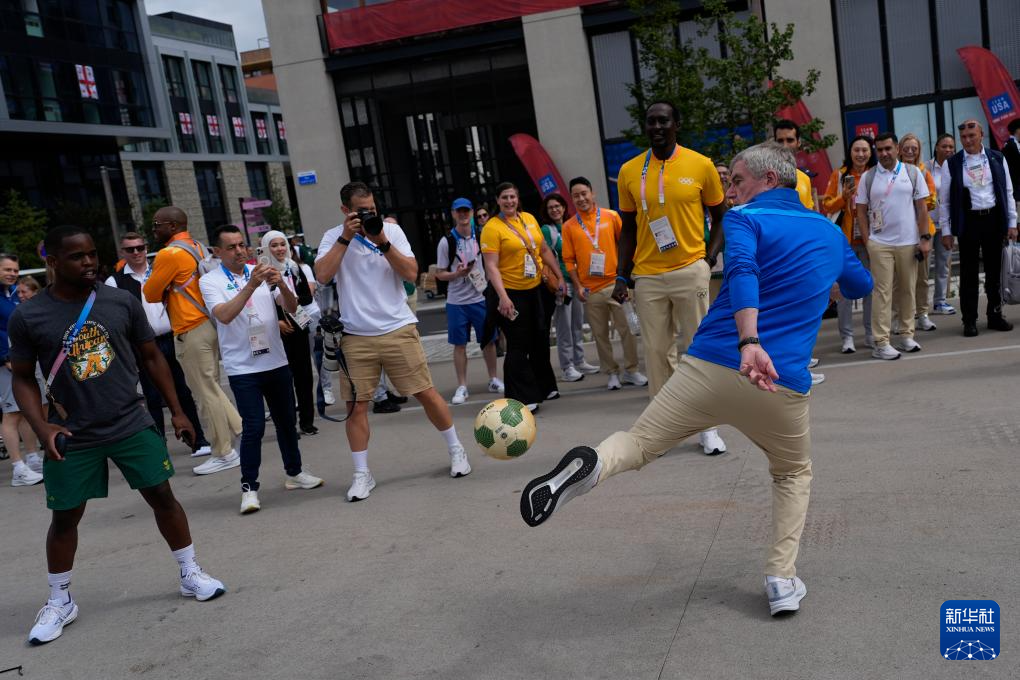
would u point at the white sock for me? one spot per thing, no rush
(360, 460)
(60, 587)
(451, 437)
(186, 559)
(775, 579)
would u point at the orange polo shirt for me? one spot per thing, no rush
(170, 267)
(578, 246)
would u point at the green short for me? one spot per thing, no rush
(84, 473)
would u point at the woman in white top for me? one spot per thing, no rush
(945, 147)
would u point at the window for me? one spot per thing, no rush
(910, 56)
(261, 129)
(860, 50)
(959, 110)
(614, 71)
(258, 181)
(959, 24)
(173, 68)
(238, 133)
(150, 183)
(919, 119)
(1004, 33)
(203, 80)
(214, 133)
(281, 133)
(228, 77)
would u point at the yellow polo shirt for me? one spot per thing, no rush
(690, 182)
(804, 190)
(497, 237)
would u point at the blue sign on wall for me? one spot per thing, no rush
(308, 177)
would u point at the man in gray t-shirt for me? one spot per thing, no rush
(459, 264)
(86, 336)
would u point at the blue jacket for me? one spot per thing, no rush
(8, 301)
(782, 259)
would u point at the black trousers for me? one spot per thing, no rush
(299, 357)
(154, 400)
(527, 370)
(981, 240)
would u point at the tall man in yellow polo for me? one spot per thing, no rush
(663, 195)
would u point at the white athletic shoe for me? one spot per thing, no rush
(910, 345)
(34, 461)
(459, 465)
(496, 385)
(944, 309)
(885, 352)
(848, 346)
(575, 475)
(571, 374)
(814, 362)
(460, 396)
(634, 378)
(249, 500)
(216, 464)
(201, 586)
(361, 486)
(201, 451)
(614, 382)
(555, 394)
(923, 323)
(817, 379)
(25, 476)
(50, 621)
(327, 396)
(587, 369)
(784, 594)
(302, 480)
(711, 443)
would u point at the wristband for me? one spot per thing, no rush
(925, 237)
(340, 239)
(750, 340)
(385, 248)
(622, 279)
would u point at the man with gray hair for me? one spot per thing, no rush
(781, 263)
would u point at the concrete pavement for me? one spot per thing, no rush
(655, 574)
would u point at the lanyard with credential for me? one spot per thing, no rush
(593, 237)
(662, 185)
(230, 277)
(892, 181)
(511, 227)
(66, 349)
(458, 239)
(368, 244)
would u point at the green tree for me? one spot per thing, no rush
(94, 217)
(22, 226)
(718, 95)
(148, 214)
(279, 215)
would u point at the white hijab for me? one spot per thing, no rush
(268, 238)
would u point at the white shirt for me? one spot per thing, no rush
(155, 312)
(893, 193)
(461, 291)
(981, 197)
(235, 346)
(372, 297)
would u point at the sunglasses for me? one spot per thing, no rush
(157, 223)
(134, 249)
(966, 126)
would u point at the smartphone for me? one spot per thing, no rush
(60, 443)
(514, 314)
(850, 181)
(261, 257)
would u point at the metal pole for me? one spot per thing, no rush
(105, 174)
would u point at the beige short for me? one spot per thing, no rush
(398, 352)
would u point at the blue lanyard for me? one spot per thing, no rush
(69, 341)
(230, 277)
(368, 244)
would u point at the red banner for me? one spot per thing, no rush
(995, 88)
(817, 161)
(406, 18)
(540, 167)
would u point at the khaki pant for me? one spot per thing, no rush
(701, 395)
(894, 270)
(198, 352)
(667, 304)
(600, 308)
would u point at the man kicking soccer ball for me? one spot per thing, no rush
(747, 365)
(86, 336)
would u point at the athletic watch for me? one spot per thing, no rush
(749, 340)
(385, 248)
(342, 240)
(925, 237)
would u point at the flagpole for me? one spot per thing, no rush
(108, 190)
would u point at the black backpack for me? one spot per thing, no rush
(451, 249)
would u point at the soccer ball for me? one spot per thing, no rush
(505, 429)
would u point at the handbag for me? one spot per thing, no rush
(1009, 279)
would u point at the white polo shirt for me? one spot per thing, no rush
(372, 297)
(893, 193)
(235, 346)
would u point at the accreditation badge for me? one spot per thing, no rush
(597, 264)
(530, 268)
(665, 239)
(258, 338)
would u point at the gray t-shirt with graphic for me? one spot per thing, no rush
(98, 383)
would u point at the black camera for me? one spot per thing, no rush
(370, 222)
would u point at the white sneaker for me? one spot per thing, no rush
(555, 394)
(215, 464)
(361, 487)
(249, 500)
(459, 465)
(571, 374)
(201, 586)
(25, 476)
(34, 461)
(614, 382)
(923, 323)
(784, 594)
(848, 346)
(327, 396)
(817, 378)
(885, 352)
(576, 474)
(201, 451)
(634, 378)
(302, 480)
(943, 308)
(50, 621)
(814, 362)
(711, 443)
(460, 396)
(910, 345)
(586, 368)
(496, 385)
(869, 341)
